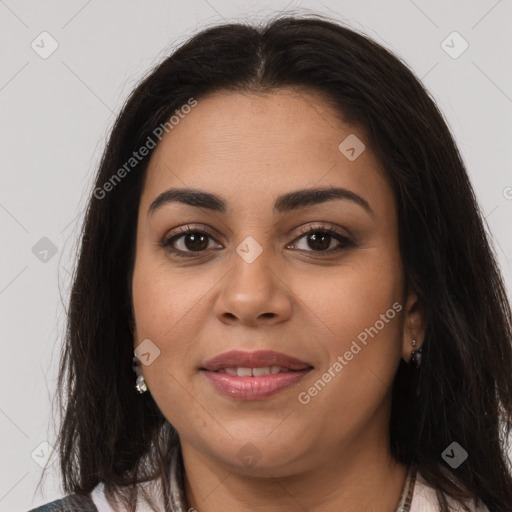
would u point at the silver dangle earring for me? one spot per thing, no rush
(140, 383)
(140, 386)
(416, 355)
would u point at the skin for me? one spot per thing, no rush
(331, 454)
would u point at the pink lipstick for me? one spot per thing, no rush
(254, 375)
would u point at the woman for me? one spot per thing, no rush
(284, 242)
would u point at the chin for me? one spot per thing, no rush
(257, 454)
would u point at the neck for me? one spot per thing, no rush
(358, 476)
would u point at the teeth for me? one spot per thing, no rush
(261, 371)
(254, 372)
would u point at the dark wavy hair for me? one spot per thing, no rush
(109, 433)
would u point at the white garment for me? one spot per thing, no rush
(100, 500)
(424, 498)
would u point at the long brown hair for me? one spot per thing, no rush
(109, 433)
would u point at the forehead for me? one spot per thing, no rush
(249, 148)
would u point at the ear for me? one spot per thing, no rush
(414, 324)
(137, 366)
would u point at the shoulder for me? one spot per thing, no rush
(425, 499)
(70, 503)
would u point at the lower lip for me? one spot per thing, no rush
(253, 388)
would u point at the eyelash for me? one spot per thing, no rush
(166, 243)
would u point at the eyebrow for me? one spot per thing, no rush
(295, 200)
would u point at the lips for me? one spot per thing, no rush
(258, 359)
(253, 375)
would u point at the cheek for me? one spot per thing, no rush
(164, 305)
(363, 352)
(352, 297)
(166, 308)
(172, 305)
(360, 313)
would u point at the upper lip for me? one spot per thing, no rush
(256, 359)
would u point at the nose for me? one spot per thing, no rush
(253, 293)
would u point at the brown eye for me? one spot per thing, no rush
(320, 239)
(195, 241)
(191, 241)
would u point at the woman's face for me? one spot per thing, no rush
(250, 280)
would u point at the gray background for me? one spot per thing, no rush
(56, 112)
